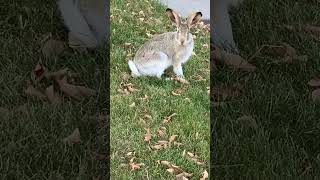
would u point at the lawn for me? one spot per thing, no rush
(284, 144)
(134, 112)
(32, 132)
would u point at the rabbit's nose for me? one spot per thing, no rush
(182, 42)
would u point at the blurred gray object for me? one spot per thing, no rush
(185, 7)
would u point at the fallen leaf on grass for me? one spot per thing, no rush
(315, 95)
(4, 112)
(39, 72)
(173, 169)
(58, 74)
(286, 52)
(135, 166)
(314, 82)
(147, 117)
(313, 30)
(172, 138)
(177, 144)
(128, 88)
(147, 136)
(194, 158)
(132, 105)
(162, 131)
(205, 175)
(160, 145)
(76, 92)
(53, 48)
(145, 98)
(183, 176)
(232, 60)
(169, 118)
(177, 92)
(226, 91)
(125, 76)
(51, 95)
(32, 91)
(198, 78)
(73, 138)
(249, 121)
(127, 45)
(180, 80)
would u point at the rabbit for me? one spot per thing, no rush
(167, 49)
(87, 22)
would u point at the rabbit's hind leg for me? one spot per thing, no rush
(153, 63)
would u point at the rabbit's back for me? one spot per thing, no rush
(165, 43)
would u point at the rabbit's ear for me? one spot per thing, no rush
(174, 17)
(194, 18)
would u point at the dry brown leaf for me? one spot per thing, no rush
(32, 91)
(169, 118)
(286, 52)
(135, 166)
(157, 147)
(129, 154)
(177, 144)
(172, 138)
(162, 131)
(205, 175)
(195, 158)
(125, 76)
(123, 91)
(145, 98)
(232, 60)
(314, 82)
(74, 91)
(58, 74)
(147, 136)
(177, 169)
(4, 112)
(132, 105)
(313, 30)
(183, 153)
(73, 138)
(147, 116)
(226, 91)
(53, 48)
(166, 163)
(39, 72)
(160, 145)
(249, 121)
(129, 88)
(190, 154)
(177, 92)
(315, 95)
(180, 80)
(51, 95)
(282, 50)
(170, 170)
(127, 45)
(183, 174)
(198, 78)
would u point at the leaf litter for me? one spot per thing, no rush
(175, 170)
(73, 138)
(41, 72)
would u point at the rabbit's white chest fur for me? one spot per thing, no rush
(184, 53)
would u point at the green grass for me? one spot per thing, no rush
(31, 140)
(286, 141)
(126, 130)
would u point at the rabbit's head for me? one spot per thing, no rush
(183, 27)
